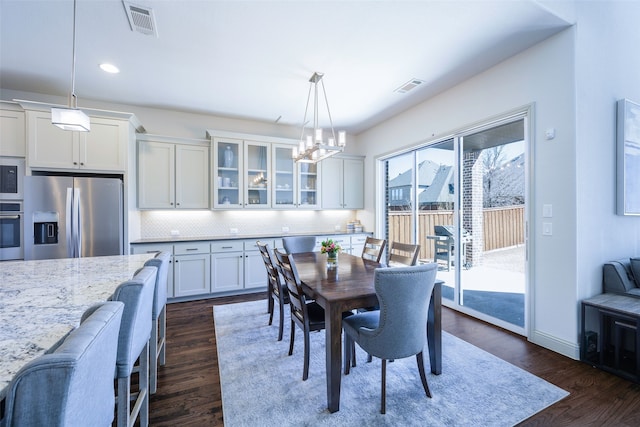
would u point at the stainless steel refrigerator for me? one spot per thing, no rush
(71, 217)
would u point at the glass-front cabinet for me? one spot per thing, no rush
(284, 177)
(227, 173)
(257, 158)
(308, 191)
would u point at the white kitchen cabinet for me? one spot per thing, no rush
(342, 183)
(172, 175)
(153, 248)
(227, 258)
(357, 244)
(296, 185)
(255, 274)
(12, 132)
(192, 269)
(257, 174)
(103, 149)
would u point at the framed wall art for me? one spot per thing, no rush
(628, 158)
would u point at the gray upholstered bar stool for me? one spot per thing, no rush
(72, 385)
(157, 342)
(133, 344)
(298, 244)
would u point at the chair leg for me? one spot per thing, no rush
(353, 354)
(270, 309)
(163, 336)
(123, 404)
(369, 358)
(423, 377)
(153, 350)
(347, 354)
(143, 381)
(383, 397)
(292, 337)
(305, 371)
(281, 328)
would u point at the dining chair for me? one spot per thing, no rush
(277, 292)
(298, 244)
(403, 254)
(398, 329)
(158, 340)
(73, 384)
(133, 344)
(373, 249)
(308, 316)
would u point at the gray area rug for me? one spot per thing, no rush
(262, 386)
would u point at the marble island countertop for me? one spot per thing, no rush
(42, 301)
(178, 239)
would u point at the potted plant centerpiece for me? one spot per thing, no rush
(330, 248)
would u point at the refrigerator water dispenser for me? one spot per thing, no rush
(45, 228)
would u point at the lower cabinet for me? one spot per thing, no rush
(191, 269)
(227, 266)
(153, 248)
(255, 275)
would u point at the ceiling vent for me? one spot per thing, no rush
(411, 84)
(141, 19)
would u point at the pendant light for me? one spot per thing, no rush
(71, 118)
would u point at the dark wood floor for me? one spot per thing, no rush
(189, 384)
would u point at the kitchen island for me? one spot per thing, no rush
(42, 301)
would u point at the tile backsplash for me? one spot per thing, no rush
(158, 224)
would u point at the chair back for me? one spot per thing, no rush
(298, 244)
(403, 254)
(73, 385)
(135, 330)
(297, 299)
(161, 262)
(403, 294)
(373, 249)
(272, 272)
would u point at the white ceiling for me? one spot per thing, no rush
(253, 59)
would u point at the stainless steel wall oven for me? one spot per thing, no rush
(11, 226)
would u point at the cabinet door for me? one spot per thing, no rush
(50, 146)
(257, 160)
(192, 177)
(156, 175)
(255, 274)
(332, 180)
(12, 133)
(227, 269)
(154, 248)
(353, 179)
(192, 274)
(284, 177)
(227, 178)
(105, 147)
(308, 190)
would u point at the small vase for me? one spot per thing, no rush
(332, 260)
(228, 157)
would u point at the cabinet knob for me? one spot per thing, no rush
(75, 163)
(81, 163)
(177, 204)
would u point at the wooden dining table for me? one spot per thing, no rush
(347, 287)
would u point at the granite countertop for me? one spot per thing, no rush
(42, 301)
(178, 239)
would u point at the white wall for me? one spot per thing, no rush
(608, 69)
(544, 76)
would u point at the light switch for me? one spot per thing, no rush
(547, 211)
(547, 229)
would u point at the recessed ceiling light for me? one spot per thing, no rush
(109, 68)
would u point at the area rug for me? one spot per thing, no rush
(262, 386)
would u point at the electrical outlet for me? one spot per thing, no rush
(233, 230)
(547, 229)
(175, 233)
(285, 229)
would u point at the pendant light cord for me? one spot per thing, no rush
(73, 101)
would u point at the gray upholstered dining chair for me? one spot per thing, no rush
(277, 292)
(72, 385)
(298, 244)
(373, 249)
(158, 340)
(133, 344)
(398, 329)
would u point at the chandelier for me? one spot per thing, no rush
(71, 118)
(312, 148)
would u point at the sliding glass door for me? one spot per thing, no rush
(463, 200)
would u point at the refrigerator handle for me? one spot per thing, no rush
(68, 221)
(77, 222)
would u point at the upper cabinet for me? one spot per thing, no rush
(257, 174)
(172, 175)
(12, 131)
(103, 149)
(227, 160)
(343, 183)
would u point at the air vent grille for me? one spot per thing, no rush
(141, 19)
(411, 84)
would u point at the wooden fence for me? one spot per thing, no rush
(503, 227)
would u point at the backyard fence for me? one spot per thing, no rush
(503, 227)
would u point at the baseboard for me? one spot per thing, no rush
(566, 348)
